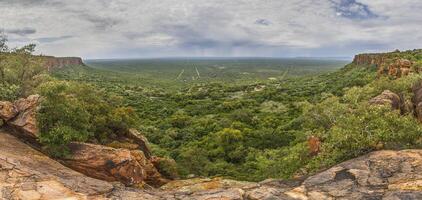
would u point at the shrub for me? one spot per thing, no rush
(72, 111)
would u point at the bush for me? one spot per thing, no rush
(72, 111)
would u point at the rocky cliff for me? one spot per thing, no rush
(394, 64)
(51, 62)
(132, 167)
(27, 174)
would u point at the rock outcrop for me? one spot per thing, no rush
(387, 98)
(417, 100)
(24, 123)
(7, 110)
(370, 59)
(131, 167)
(51, 62)
(27, 174)
(393, 66)
(378, 175)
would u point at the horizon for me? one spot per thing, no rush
(339, 58)
(121, 29)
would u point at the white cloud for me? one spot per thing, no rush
(144, 28)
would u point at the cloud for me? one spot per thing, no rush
(263, 22)
(143, 28)
(100, 23)
(21, 31)
(53, 39)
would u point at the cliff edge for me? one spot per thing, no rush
(27, 174)
(51, 62)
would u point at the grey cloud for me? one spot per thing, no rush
(263, 22)
(53, 39)
(21, 31)
(30, 3)
(99, 22)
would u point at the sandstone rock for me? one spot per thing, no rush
(106, 163)
(140, 140)
(417, 100)
(131, 167)
(387, 98)
(386, 65)
(7, 110)
(401, 67)
(28, 174)
(314, 144)
(25, 123)
(51, 62)
(370, 59)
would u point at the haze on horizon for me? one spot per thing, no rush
(212, 28)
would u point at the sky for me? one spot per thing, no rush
(212, 28)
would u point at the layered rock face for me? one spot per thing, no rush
(20, 116)
(396, 67)
(379, 175)
(417, 100)
(370, 59)
(51, 62)
(129, 166)
(26, 174)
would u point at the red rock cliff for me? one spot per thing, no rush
(51, 62)
(386, 63)
(370, 59)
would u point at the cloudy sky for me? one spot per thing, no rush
(171, 28)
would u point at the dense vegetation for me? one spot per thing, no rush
(254, 128)
(69, 111)
(244, 119)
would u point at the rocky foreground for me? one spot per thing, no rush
(28, 174)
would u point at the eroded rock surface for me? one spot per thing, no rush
(417, 100)
(379, 175)
(396, 67)
(387, 98)
(131, 167)
(25, 122)
(27, 174)
(111, 164)
(51, 62)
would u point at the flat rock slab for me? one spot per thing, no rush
(30, 175)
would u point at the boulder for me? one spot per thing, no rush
(387, 98)
(25, 124)
(7, 110)
(401, 67)
(417, 100)
(140, 140)
(110, 164)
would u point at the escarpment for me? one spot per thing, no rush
(51, 63)
(393, 64)
(126, 167)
